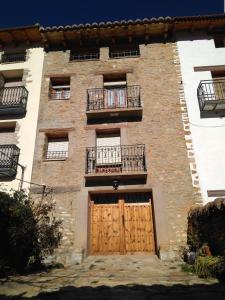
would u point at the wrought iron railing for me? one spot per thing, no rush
(54, 155)
(84, 56)
(13, 97)
(115, 159)
(60, 94)
(13, 57)
(113, 98)
(9, 156)
(124, 53)
(211, 91)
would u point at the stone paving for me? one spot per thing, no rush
(113, 277)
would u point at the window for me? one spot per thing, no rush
(108, 149)
(13, 57)
(219, 41)
(115, 91)
(85, 54)
(57, 148)
(59, 88)
(8, 135)
(124, 51)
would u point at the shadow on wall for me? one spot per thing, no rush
(136, 292)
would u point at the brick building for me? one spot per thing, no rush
(110, 138)
(114, 134)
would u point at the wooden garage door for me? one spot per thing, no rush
(121, 224)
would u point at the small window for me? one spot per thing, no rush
(13, 57)
(124, 51)
(7, 127)
(59, 88)
(219, 41)
(57, 148)
(8, 134)
(84, 54)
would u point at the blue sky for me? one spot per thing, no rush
(55, 12)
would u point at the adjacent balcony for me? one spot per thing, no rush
(13, 101)
(13, 57)
(114, 102)
(116, 162)
(211, 98)
(9, 156)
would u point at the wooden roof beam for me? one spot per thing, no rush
(63, 38)
(14, 39)
(165, 34)
(192, 28)
(45, 40)
(130, 34)
(147, 34)
(27, 37)
(210, 27)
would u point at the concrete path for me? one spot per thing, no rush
(113, 277)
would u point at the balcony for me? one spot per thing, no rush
(211, 98)
(13, 101)
(60, 93)
(116, 162)
(13, 57)
(114, 102)
(9, 155)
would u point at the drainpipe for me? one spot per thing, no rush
(22, 176)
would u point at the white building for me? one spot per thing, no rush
(21, 64)
(202, 59)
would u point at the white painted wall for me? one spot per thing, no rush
(27, 125)
(208, 134)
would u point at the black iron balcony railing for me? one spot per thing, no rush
(9, 156)
(113, 98)
(84, 56)
(54, 155)
(13, 100)
(116, 159)
(124, 53)
(211, 95)
(13, 57)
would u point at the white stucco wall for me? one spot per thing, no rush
(208, 134)
(27, 125)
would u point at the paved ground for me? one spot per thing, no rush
(113, 277)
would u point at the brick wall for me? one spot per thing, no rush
(161, 130)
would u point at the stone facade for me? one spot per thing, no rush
(161, 130)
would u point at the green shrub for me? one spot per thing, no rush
(205, 266)
(28, 231)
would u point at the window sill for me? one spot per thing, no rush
(83, 60)
(135, 56)
(60, 99)
(55, 159)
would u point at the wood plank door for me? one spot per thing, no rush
(105, 228)
(121, 227)
(138, 223)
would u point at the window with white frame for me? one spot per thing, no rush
(108, 149)
(57, 148)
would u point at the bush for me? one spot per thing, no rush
(206, 225)
(205, 266)
(28, 231)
